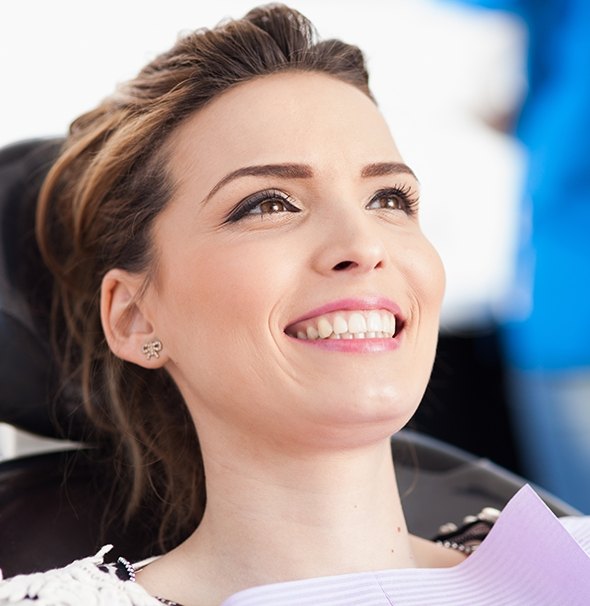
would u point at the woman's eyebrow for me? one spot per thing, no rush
(383, 169)
(304, 171)
(285, 171)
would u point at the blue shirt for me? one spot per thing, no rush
(547, 322)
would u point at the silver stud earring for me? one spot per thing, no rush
(152, 349)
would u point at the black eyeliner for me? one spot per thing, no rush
(246, 205)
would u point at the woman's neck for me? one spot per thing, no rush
(278, 518)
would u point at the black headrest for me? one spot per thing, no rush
(29, 388)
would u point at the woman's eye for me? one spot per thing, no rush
(387, 202)
(403, 198)
(268, 202)
(269, 207)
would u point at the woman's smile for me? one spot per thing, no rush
(375, 321)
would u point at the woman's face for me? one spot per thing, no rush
(295, 295)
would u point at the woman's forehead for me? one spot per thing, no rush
(291, 117)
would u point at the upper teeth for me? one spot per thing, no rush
(348, 325)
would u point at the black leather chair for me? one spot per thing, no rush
(52, 504)
(29, 397)
(440, 483)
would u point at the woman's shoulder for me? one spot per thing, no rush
(85, 581)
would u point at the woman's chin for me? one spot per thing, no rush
(361, 418)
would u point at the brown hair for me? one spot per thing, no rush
(95, 212)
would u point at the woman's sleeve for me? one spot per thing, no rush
(87, 581)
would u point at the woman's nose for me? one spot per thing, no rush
(354, 245)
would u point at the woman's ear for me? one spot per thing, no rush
(130, 334)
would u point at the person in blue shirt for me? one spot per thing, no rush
(546, 324)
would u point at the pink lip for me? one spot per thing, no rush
(351, 305)
(355, 345)
(359, 346)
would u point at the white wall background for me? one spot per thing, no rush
(436, 70)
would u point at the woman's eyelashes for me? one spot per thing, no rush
(273, 202)
(402, 198)
(267, 202)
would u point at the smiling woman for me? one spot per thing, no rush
(237, 253)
